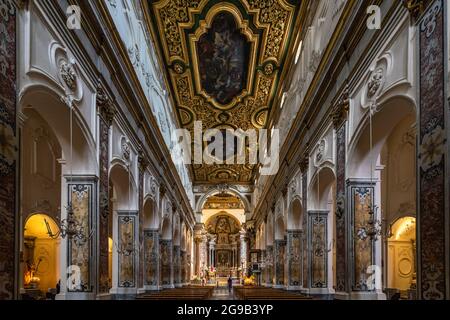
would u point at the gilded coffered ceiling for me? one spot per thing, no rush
(224, 60)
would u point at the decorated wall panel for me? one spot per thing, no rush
(318, 244)
(177, 265)
(184, 266)
(295, 255)
(280, 260)
(127, 249)
(151, 258)
(269, 264)
(361, 197)
(81, 197)
(166, 256)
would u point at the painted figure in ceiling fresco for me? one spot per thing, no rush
(223, 57)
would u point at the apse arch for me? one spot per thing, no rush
(214, 191)
(223, 213)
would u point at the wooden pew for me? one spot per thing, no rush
(263, 293)
(185, 293)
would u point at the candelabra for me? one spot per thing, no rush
(70, 228)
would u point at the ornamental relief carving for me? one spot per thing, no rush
(68, 74)
(376, 81)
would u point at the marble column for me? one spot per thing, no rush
(197, 268)
(9, 261)
(105, 110)
(304, 166)
(340, 113)
(212, 248)
(142, 161)
(433, 219)
(243, 253)
(202, 255)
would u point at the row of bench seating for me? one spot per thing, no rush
(184, 293)
(264, 293)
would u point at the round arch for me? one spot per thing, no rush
(214, 191)
(390, 113)
(295, 214)
(124, 190)
(279, 228)
(166, 230)
(44, 100)
(151, 218)
(320, 188)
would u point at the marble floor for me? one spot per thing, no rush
(221, 293)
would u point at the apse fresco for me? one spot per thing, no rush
(223, 59)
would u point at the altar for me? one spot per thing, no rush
(223, 248)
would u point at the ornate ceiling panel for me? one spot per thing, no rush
(221, 202)
(224, 60)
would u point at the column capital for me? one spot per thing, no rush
(142, 160)
(341, 108)
(304, 163)
(105, 107)
(415, 7)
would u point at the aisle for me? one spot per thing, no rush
(221, 293)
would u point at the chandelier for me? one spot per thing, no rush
(373, 227)
(70, 228)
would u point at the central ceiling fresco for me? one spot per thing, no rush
(224, 60)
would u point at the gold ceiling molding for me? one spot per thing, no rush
(225, 77)
(221, 203)
(206, 25)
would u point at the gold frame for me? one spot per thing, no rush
(259, 96)
(203, 28)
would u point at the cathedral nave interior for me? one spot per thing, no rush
(117, 184)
